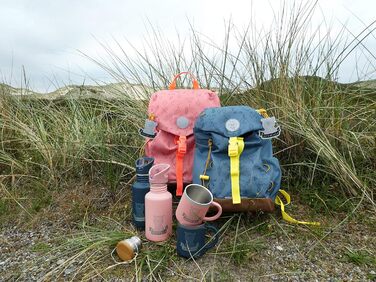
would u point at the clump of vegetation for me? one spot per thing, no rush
(327, 147)
(360, 257)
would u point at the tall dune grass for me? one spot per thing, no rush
(291, 70)
(329, 128)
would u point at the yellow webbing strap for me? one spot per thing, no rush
(235, 148)
(263, 113)
(285, 216)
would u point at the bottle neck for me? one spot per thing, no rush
(158, 188)
(142, 177)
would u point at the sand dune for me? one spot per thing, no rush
(108, 91)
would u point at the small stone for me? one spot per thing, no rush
(68, 271)
(279, 248)
(60, 261)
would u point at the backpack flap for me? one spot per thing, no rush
(175, 111)
(232, 121)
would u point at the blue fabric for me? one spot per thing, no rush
(191, 240)
(260, 173)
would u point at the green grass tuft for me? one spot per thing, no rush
(360, 257)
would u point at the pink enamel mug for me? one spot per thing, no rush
(194, 205)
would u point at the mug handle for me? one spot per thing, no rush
(217, 215)
(214, 241)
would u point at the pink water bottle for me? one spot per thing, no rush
(158, 205)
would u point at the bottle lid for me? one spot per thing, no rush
(144, 164)
(125, 251)
(158, 174)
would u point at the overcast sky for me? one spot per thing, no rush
(44, 36)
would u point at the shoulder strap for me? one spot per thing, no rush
(287, 217)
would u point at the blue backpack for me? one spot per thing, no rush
(234, 158)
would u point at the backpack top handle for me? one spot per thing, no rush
(172, 85)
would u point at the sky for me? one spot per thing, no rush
(46, 39)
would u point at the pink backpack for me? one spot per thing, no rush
(172, 114)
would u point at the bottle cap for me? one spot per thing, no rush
(127, 249)
(144, 164)
(158, 174)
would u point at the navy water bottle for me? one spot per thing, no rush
(139, 189)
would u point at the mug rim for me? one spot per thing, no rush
(197, 203)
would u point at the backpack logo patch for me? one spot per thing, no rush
(182, 122)
(232, 124)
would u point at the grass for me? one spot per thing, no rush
(78, 154)
(360, 257)
(41, 247)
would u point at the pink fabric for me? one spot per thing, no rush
(167, 106)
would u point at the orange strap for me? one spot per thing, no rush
(180, 153)
(194, 81)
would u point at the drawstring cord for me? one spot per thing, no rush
(203, 176)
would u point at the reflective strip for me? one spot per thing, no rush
(285, 216)
(235, 149)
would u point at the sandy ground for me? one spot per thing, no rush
(276, 252)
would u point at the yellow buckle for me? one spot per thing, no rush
(233, 148)
(204, 177)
